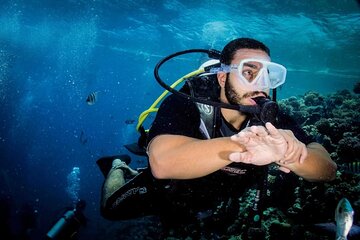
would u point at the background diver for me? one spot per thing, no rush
(67, 227)
(194, 168)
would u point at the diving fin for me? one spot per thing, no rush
(135, 149)
(139, 148)
(105, 163)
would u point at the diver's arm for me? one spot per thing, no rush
(265, 145)
(181, 157)
(317, 166)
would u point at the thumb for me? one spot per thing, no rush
(284, 169)
(240, 157)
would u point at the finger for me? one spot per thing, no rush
(235, 157)
(292, 143)
(304, 154)
(243, 134)
(297, 153)
(273, 131)
(259, 131)
(235, 137)
(243, 157)
(293, 156)
(290, 149)
(284, 169)
(289, 133)
(247, 129)
(241, 140)
(247, 134)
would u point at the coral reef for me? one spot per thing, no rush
(334, 121)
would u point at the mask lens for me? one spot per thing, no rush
(277, 74)
(250, 70)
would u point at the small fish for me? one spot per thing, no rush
(91, 98)
(83, 138)
(344, 217)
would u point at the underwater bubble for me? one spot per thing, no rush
(73, 185)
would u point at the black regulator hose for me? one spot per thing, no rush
(212, 53)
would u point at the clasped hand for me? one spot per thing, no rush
(268, 144)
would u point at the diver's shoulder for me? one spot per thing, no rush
(178, 100)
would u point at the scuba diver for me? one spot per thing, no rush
(68, 225)
(210, 142)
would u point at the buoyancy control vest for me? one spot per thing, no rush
(205, 87)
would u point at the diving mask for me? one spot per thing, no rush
(255, 74)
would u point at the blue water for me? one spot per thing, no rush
(54, 53)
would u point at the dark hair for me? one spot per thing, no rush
(230, 49)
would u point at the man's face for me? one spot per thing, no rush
(235, 92)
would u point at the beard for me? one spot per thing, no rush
(230, 94)
(233, 97)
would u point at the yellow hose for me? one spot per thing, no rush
(153, 108)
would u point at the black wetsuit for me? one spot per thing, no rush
(181, 117)
(183, 200)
